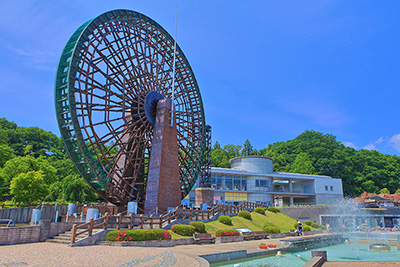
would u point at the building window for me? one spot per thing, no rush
(262, 183)
(331, 188)
(326, 188)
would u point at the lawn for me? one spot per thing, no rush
(284, 222)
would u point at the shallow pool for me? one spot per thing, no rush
(344, 252)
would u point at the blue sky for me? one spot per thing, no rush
(267, 70)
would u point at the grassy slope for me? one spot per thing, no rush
(284, 222)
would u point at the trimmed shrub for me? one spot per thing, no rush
(227, 232)
(244, 214)
(199, 227)
(308, 223)
(183, 229)
(315, 225)
(225, 219)
(138, 235)
(273, 209)
(271, 229)
(260, 210)
(306, 228)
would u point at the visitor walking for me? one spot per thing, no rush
(300, 227)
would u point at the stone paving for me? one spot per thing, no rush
(51, 254)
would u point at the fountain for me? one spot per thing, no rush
(379, 243)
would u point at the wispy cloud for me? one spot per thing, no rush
(350, 144)
(369, 147)
(384, 141)
(394, 142)
(41, 59)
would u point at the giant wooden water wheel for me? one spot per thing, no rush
(107, 69)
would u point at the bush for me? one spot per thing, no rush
(227, 232)
(199, 227)
(244, 214)
(260, 210)
(315, 225)
(138, 235)
(273, 209)
(225, 220)
(306, 228)
(271, 229)
(308, 223)
(182, 229)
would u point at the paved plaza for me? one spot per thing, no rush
(52, 254)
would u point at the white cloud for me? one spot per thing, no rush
(395, 142)
(349, 144)
(369, 147)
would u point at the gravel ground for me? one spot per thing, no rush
(51, 254)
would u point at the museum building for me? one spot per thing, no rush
(252, 178)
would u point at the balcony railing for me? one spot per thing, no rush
(284, 190)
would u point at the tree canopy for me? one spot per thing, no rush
(33, 155)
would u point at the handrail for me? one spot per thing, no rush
(159, 220)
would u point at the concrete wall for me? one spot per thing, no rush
(310, 213)
(328, 198)
(328, 186)
(253, 164)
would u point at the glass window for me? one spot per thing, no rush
(244, 184)
(331, 188)
(236, 183)
(219, 183)
(228, 183)
(326, 188)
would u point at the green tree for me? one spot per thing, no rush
(28, 187)
(302, 164)
(247, 148)
(220, 158)
(384, 191)
(41, 142)
(397, 191)
(15, 166)
(233, 151)
(6, 153)
(217, 145)
(75, 188)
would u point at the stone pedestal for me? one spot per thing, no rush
(204, 195)
(163, 183)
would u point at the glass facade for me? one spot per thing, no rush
(228, 182)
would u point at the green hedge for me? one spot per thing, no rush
(308, 223)
(271, 229)
(199, 227)
(138, 235)
(182, 229)
(273, 209)
(227, 232)
(225, 219)
(244, 214)
(306, 228)
(260, 210)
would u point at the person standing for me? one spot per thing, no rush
(300, 227)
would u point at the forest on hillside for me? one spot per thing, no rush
(34, 165)
(316, 153)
